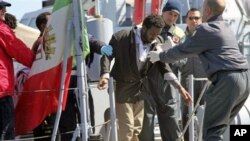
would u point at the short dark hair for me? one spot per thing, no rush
(42, 19)
(10, 20)
(153, 20)
(192, 10)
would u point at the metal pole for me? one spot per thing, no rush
(81, 73)
(65, 59)
(195, 108)
(112, 110)
(191, 107)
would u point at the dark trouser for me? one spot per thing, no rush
(167, 117)
(71, 115)
(45, 129)
(224, 98)
(6, 118)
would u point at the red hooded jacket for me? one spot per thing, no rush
(11, 47)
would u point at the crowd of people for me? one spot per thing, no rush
(147, 58)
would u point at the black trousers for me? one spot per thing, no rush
(167, 116)
(6, 118)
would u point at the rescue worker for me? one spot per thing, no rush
(227, 69)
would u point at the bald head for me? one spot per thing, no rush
(213, 8)
(217, 6)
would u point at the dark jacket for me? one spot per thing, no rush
(193, 65)
(131, 83)
(95, 47)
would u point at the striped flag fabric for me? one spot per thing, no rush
(155, 6)
(42, 88)
(139, 11)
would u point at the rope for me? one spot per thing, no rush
(35, 91)
(48, 136)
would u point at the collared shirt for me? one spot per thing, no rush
(141, 49)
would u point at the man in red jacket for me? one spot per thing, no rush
(10, 47)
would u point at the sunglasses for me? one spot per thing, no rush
(194, 18)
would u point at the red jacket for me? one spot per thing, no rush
(11, 47)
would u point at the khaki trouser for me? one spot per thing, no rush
(130, 119)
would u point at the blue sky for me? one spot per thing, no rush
(19, 7)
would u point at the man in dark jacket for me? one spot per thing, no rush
(165, 104)
(132, 72)
(225, 66)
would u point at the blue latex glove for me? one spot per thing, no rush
(106, 50)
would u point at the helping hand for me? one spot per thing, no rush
(107, 50)
(154, 56)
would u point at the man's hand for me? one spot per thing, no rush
(102, 84)
(107, 50)
(154, 56)
(185, 95)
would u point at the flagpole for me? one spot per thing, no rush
(65, 62)
(81, 71)
(85, 39)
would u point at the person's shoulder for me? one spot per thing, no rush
(5, 30)
(3, 27)
(122, 33)
(210, 27)
(204, 27)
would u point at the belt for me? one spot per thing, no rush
(224, 71)
(227, 71)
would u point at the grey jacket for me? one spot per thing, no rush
(216, 46)
(192, 65)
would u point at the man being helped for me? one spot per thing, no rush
(225, 67)
(165, 101)
(133, 74)
(10, 47)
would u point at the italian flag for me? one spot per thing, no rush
(42, 88)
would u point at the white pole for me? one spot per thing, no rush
(81, 73)
(65, 59)
(83, 25)
(191, 107)
(112, 110)
(195, 108)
